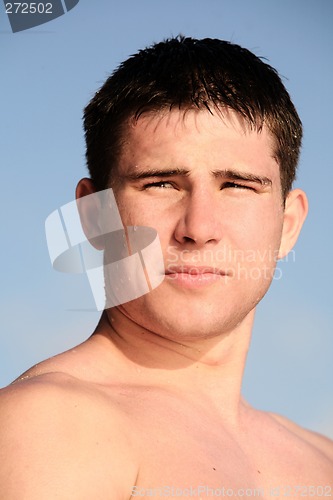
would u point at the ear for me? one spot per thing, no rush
(295, 212)
(89, 208)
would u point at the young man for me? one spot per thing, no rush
(199, 140)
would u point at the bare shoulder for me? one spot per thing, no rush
(312, 439)
(62, 438)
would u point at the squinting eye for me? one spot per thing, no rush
(236, 186)
(160, 184)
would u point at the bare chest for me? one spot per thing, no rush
(191, 453)
(184, 462)
(187, 450)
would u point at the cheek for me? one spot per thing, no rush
(258, 237)
(132, 212)
(148, 214)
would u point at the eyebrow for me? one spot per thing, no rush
(144, 174)
(233, 175)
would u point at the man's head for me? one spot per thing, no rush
(185, 73)
(199, 140)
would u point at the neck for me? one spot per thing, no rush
(209, 369)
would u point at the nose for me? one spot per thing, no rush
(200, 219)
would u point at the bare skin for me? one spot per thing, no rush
(153, 398)
(81, 428)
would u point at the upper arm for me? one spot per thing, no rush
(54, 446)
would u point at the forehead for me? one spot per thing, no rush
(195, 138)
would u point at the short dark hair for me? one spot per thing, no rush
(187, 73)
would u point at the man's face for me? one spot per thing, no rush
(211, 188)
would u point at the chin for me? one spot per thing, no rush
(186, 317)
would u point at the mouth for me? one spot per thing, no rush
(194, 276)
(195, 270)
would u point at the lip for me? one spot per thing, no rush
(194, 276)
(195, 270)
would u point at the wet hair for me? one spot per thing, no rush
(186, 73)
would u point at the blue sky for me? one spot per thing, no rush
(49, 73)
